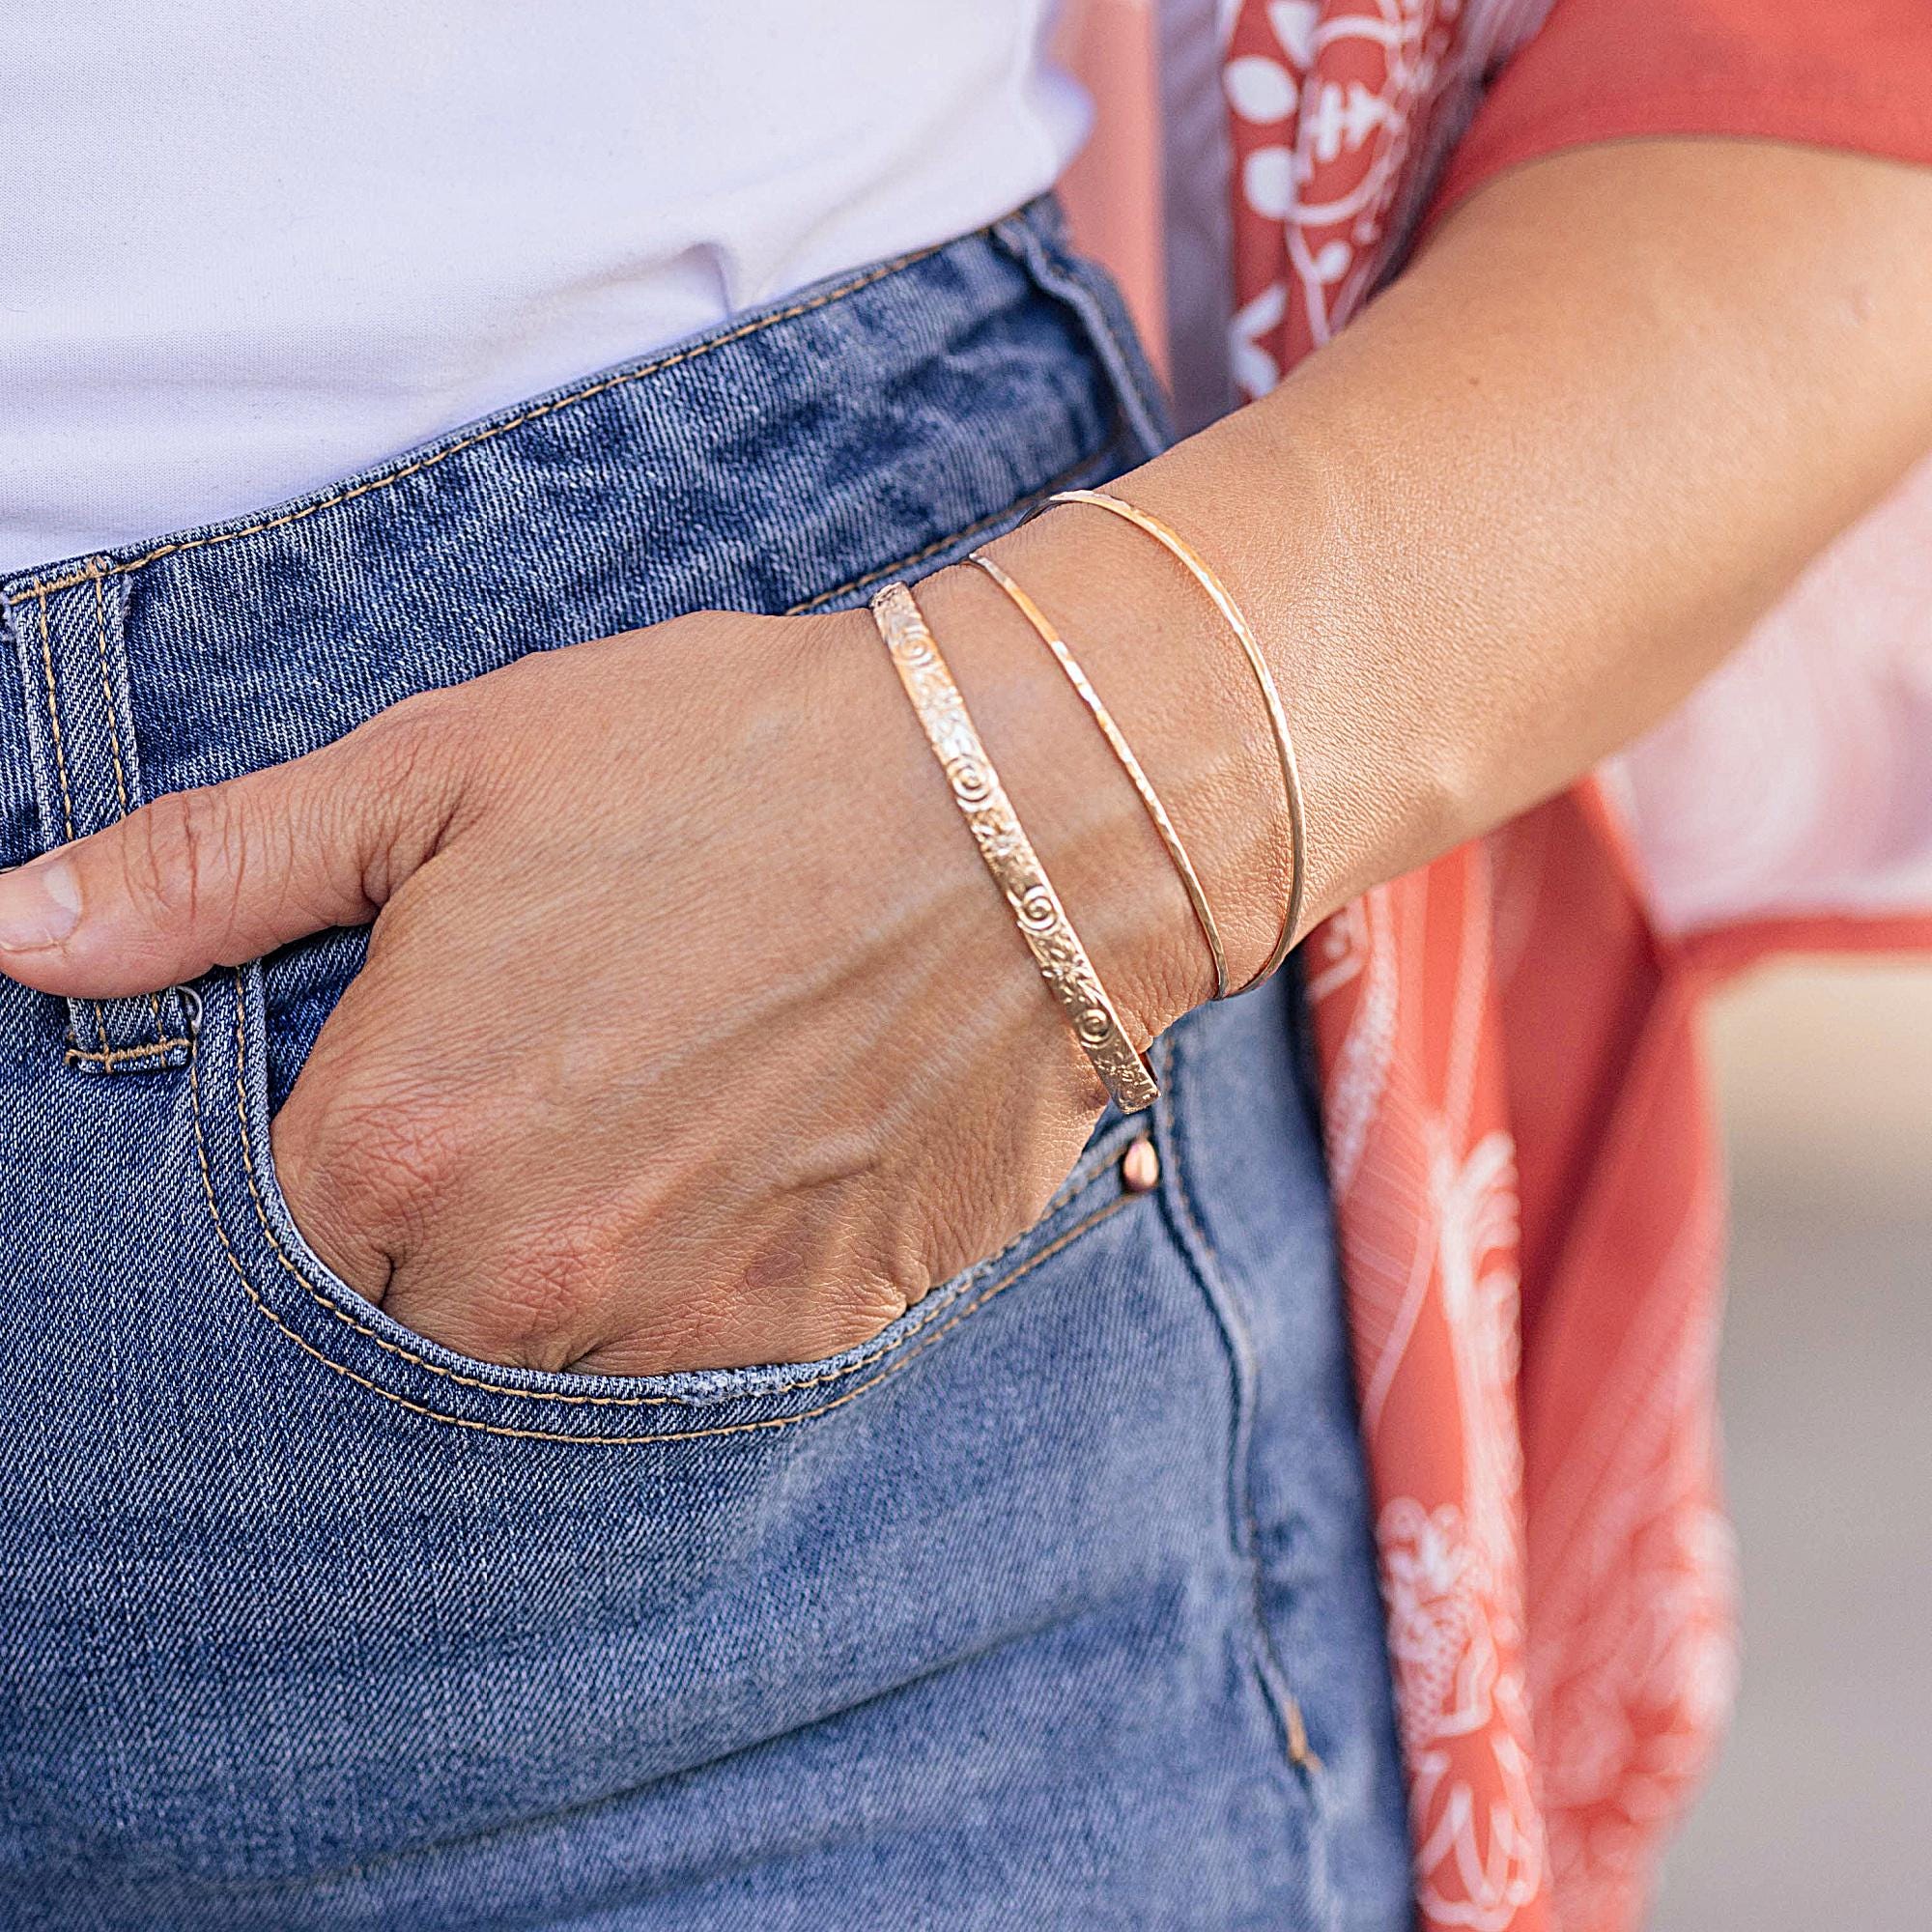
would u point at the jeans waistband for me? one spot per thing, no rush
(787, 460)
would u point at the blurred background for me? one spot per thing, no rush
(1816, 1816)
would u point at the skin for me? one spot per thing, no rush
(704, 1072)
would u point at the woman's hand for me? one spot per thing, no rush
(693, 1031)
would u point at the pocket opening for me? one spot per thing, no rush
(323, 1316)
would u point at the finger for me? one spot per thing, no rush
(217, 875)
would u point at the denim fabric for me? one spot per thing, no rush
(999, 1620)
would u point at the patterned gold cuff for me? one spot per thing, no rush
(1010, 856)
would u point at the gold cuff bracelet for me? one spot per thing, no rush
(1009, 858)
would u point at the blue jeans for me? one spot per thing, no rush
(1002, 1620)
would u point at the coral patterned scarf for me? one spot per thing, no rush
(1525, 1180)
(1531, 1245)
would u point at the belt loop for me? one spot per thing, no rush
(1036, 236)
(69, 635)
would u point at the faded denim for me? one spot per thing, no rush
(999, 1620)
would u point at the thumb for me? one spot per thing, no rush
(215, 876)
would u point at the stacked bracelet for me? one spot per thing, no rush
(1010, 856)
(1231, 612)
(1190, 879)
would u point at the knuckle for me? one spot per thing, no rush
(401, 741)
(173, 850)
(867, 1308)
(420, 751)
(413, 745)
(411, 1157)
(554, 1297)
(386, 1166)
(846, 1317)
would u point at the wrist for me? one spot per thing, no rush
(941, 913)
(1076, 802)
(1179, 684)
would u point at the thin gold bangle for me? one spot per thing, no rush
(1124, 752)
(1230, 612)
(1010, 856)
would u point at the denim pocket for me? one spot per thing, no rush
(348, 1624)
(292, 1288)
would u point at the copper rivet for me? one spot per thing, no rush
(1140, 1168)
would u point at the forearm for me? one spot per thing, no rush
(1493, 531)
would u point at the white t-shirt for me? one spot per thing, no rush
(246, 249)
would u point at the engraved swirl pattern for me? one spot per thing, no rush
(1010, 856)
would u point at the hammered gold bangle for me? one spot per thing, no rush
(1291, 776)
(1156, 812)
(1010, 856)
